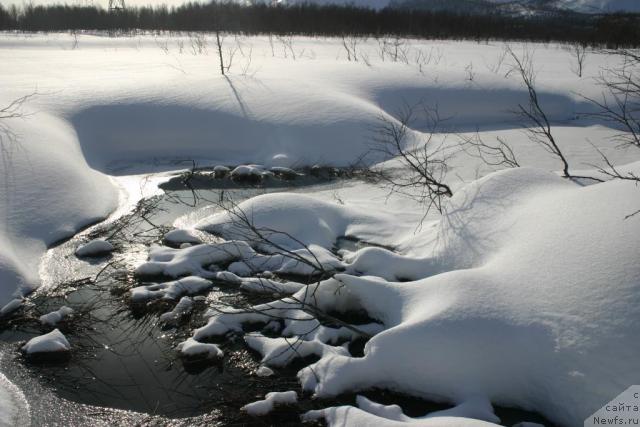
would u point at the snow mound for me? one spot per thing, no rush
(193, 348)
(53, 342)
(248, 172)
(170, 290)
(473, 412)
(180, 236)
(264, 371)
(179, 262)
(54, 317)
(95, 247)
(184, 307)
(261, 285)
(534, 311)
(263, 407)
(203, 260)
(281, 216)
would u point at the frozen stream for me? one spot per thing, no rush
(124, 359)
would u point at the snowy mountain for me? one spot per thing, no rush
(582, 6)
(491, 6)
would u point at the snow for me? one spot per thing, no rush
(472, 412)
(179, 236)
(193, 348)
(184, 306)
(95, 247)
(520, 292)
(523, 293)
(264, 371)
(587, 6)
(221, 170)
(354, 417)
(530, 297)
(248, 171)
(179, 262)
(53, 342)
(78, 136)
(263, 407)
(170, 290)
(54, 317)
(268, 217)
(14, 408)
(11, 306)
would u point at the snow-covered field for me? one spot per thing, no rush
(524, 292)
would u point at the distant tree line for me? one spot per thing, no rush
(613, 31)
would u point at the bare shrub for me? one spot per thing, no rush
(424, 165)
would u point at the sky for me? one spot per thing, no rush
(103, 3)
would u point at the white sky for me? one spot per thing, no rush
(103, 3)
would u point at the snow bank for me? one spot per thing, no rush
(263, 407)
(53, 342)
(100, 109)
(525, 294)
(473, 412)
(538, 310)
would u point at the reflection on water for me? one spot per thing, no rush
(123, 357)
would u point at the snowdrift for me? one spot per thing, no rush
(539, 308)
(526, 294)
(108, 103)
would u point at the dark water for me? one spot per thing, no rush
(124, 359)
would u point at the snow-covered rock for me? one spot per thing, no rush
(53, 342)
(54, 317)
(179, 262)
(263, 407)
(248, 172)
(193, 348)
(180, 236)
(184, 307)
(259, 284)
(220, 171)
(93, 248)
(264, 371)
(170, 290)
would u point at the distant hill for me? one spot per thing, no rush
(512, 7)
